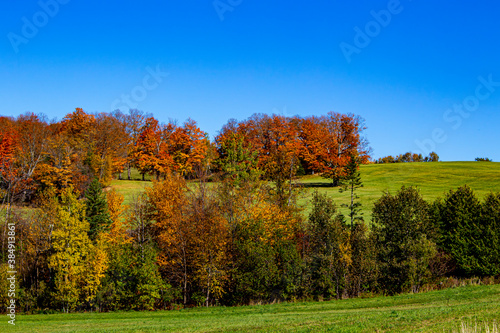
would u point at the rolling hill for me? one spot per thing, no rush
(433, 179)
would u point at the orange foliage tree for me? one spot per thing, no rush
(109, 147)
(329, 141)
(192, 236)
(167, 205)
(276, 140)
(151, 151)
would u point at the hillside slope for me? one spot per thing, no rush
(433, 179)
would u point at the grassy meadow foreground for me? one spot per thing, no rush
(438, 311)
(433, 180)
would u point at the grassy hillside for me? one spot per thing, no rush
(433, 179)
(440, 311)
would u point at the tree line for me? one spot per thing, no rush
(240, 239)
(36, 154)
(408, 157)
(232, 243)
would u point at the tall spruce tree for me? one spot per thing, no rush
(96, 209)
(469, 231)
(350, 183)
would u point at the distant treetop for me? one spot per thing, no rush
(483, 159)
(408, 157)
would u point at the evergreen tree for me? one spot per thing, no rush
(351, 182)
(330, 247)
(468, 231)
(490, 220)
(403, 233)
(96, 209)
(363, 269)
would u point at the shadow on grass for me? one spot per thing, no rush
(315, 185)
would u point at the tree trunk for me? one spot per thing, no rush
(290, 180)
(352, 206)
(208, 286)
(185, 276)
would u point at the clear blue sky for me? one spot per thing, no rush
(248, 56)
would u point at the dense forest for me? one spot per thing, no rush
(220, 222)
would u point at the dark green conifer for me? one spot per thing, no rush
(96, 209)
(351, 182)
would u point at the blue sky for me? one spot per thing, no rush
(423, 75)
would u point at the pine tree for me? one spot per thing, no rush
(468, 231)
(351, 182)
(96, 209)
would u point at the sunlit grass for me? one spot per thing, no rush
(438, 311)
(433, 180)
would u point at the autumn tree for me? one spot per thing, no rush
(116, 208)
(68, 157)
(329, 142)
(78, 265)
(188, 145)
(22, 142)
(239, 173)
(61, 166)
(32, 139)
(210, 259)
(167, 207)
(280, 155)
(192, 235)
(151, 151)
(133, 280)
(108, 151)
(34, 248)
(133, 121)
(9, 179)
(275, 139)
(266, 259)
(78, 127)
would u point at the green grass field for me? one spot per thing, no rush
(433, 179)
(438, 311)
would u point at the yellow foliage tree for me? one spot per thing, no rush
(79, 265)
(192, 235)
(118, 233)
(211, 242)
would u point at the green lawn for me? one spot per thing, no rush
(129, 188)
(438, 311)
(433, 179)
